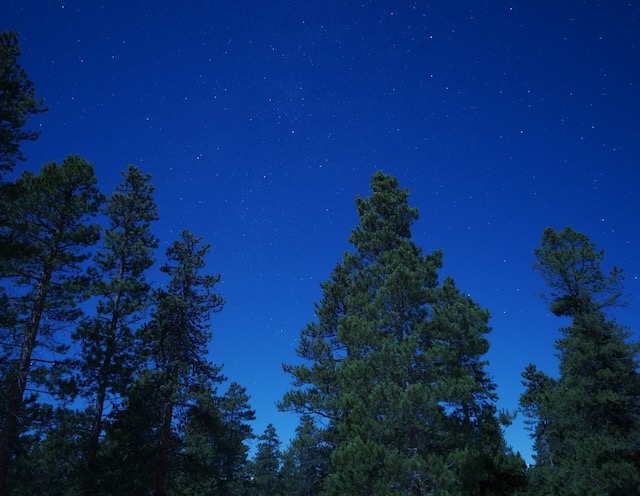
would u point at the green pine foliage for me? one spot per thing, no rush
(394, 366)
(131, 447)
(48, 462)
(177, 338)
(214, 454)
(392, 390)
(236, 414)
(18, 102)
(585, 423)
(306, 460)
(106, 360)
(265, 469)
(48, 231)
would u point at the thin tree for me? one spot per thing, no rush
(236, 414)
(107, 358)
(17, 102)
(267, 478)
(178, 337)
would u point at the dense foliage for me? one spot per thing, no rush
(108, 387)
(586, 422)
(18, 102)
(394, 368)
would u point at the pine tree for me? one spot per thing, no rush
(200, 466)
(265, 469)
(214, 450)
(306, 460)
(107, 359)
(130, 450)
(49, 462)
(46, 228)
(17, 102)
(586, 423)
(396, 367)
(178, 337)
(236, 414)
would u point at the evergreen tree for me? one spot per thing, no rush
(200, 465)
(265, 469)
(17, 102)
(536, 404)
(107, 360)
(47, 232)
(586, 424)
(236, 414)
(130, 450)
(473, 445)
(306, 460)
(49, 463)
(396, 367)
(177, 338)
(214, 453)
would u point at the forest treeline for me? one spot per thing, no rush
(108, 388)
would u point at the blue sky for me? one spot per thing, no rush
(261, 121)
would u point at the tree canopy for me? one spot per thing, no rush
(109, 386)
(18, 102)
(394, 366)
(585, 423)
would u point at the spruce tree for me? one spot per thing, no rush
(48, 234)
(395, 367)
(586, 423)
(107, 360)
(17, 102)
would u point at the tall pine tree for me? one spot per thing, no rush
(586, 423)
(107, 360)
(48, 233)
(17, 102)
(395, 367)
(306, 460)
(265, 469)
(178, 337)
(236, 415)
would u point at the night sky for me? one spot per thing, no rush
(261, 121)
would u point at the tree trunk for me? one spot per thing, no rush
(163, 455)
(103, 382)
(10, 427)
(96, 424)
